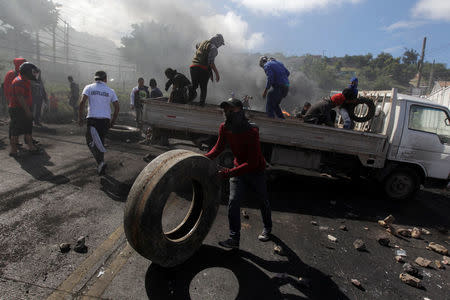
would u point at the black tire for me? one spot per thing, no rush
(370, 111)
(123, 132)
(147, 199)
(401, 184)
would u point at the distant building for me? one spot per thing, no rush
(440, 93)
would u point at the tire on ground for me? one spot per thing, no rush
(401, 184)
(370, 111)
(123, 132)
(147, 199)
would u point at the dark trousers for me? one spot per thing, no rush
(102, 126)
(37, 107)
(200, 78)
(75, 111)
(240, 187)
(274, 97)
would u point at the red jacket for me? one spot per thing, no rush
(20, 87)
(9, 77)
(338, 99)
(245, 147)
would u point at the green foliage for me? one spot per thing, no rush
(410, 57)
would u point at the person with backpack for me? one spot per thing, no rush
(203, 64)
(139, 93)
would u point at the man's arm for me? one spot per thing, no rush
(219, 146)
(115, 114)
(213, 67)
(269, 74)
(132, 99)
(24, 105)
(84, 98)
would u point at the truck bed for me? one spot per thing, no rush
(369, 147)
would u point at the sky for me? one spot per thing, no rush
(291, 27)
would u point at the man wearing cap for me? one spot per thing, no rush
(203, 63)
(247, 176)
(99, 97)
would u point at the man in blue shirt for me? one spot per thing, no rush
(155, 91)
(277, 82)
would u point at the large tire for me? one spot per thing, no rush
(401, 184)
(123, 133)
(370, 110)
(147, 199)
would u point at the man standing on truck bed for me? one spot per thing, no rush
(99, 97)
(138, 93)
(203, 63)
(247, 177)
(277, 82)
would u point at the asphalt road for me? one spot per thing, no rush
(56, 197)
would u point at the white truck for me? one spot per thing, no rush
(406, 144)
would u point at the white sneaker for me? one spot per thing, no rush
(101, 168)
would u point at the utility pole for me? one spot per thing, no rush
(54, 42)
(66, 40)
(421, 61)
(38, 50)
(430, 80)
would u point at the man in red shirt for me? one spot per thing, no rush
(248, 174)
(9, 77)
(20, 108)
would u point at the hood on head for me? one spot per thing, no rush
(217, 40)
(18, 62)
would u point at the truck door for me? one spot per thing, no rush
(426, 139)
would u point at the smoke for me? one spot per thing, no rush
(169, 39)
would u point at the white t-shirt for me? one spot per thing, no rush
(100, 97)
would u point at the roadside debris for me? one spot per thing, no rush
(400, 252)
(323, 228)
(399, 259)
(403, 232)
(80, 247)
(437, 248)
(410, 280)
(332, 238)
(439, 264)
(279, 250)
(366, 228)
(314, 223)
(356, 283)
(244, 214)
(384, 241)
(415, 233)
(387, 221)
(343, 228)
(425, 232)
(446, 260)
(423, 262)
(64, 247)
(359, 245)
(408, 268)
(351, 215)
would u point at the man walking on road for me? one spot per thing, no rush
(139, 93)
(203, 65)
(73, 97)
(247, 177)
(99, 97)
(277, 82)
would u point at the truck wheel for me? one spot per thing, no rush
(402, 184)
(370, 110)
(123, 132)
(147, 200)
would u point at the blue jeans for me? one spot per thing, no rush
(250, 184)
(274, 97)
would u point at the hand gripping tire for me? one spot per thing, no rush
(370, 111)
(123, 132)
(147, 199)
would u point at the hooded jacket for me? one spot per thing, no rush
(9, 77)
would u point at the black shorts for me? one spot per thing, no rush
(20, 123)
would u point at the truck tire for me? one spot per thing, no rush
(147, 199)
(401, 184)
(370, 110)
(123, 132)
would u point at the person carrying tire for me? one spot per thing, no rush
(138, 93)
(99, 98)
(247, 177)
(344, 109)
(277, 86)
(181, 87)
(322, 111)
(203, 65)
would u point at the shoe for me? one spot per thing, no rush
(14, 154)
(230, 243)
(101, 168)
(265, 235)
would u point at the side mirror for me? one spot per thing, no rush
(447, 121)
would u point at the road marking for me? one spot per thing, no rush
(102, 282)
(68, 285)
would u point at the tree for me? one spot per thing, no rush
(410, 57)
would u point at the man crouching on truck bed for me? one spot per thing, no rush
(248, 174)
